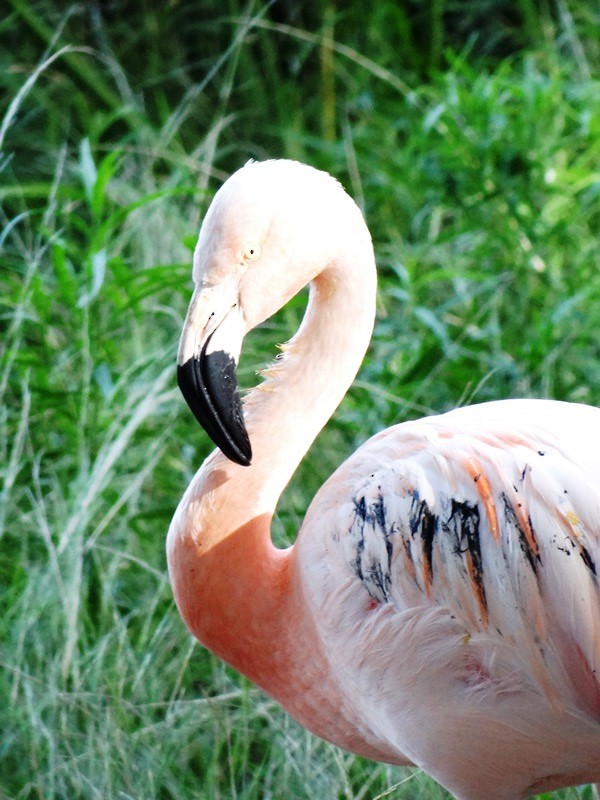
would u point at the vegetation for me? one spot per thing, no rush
(469, 133)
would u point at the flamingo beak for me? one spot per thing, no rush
(206, 369)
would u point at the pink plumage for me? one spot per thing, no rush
(441, 606)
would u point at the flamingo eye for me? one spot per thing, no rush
(252, 252)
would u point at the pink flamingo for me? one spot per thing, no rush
(441, 605)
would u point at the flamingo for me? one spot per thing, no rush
(441, 605)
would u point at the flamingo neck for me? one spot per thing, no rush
(302, 389)
(239, 594)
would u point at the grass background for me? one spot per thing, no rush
(470, 135)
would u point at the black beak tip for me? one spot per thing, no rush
(208, 384)
(244, 459)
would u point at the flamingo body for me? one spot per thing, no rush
(441, 605)
(461, 550)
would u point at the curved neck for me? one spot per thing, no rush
(285, 413)
(237, 593)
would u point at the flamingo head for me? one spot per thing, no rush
(271, 228)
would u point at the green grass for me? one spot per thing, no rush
(472, 141)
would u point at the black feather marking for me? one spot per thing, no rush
(532, 554)
(587, 559)
(464, 522)
(424, 523)
(370, 520)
